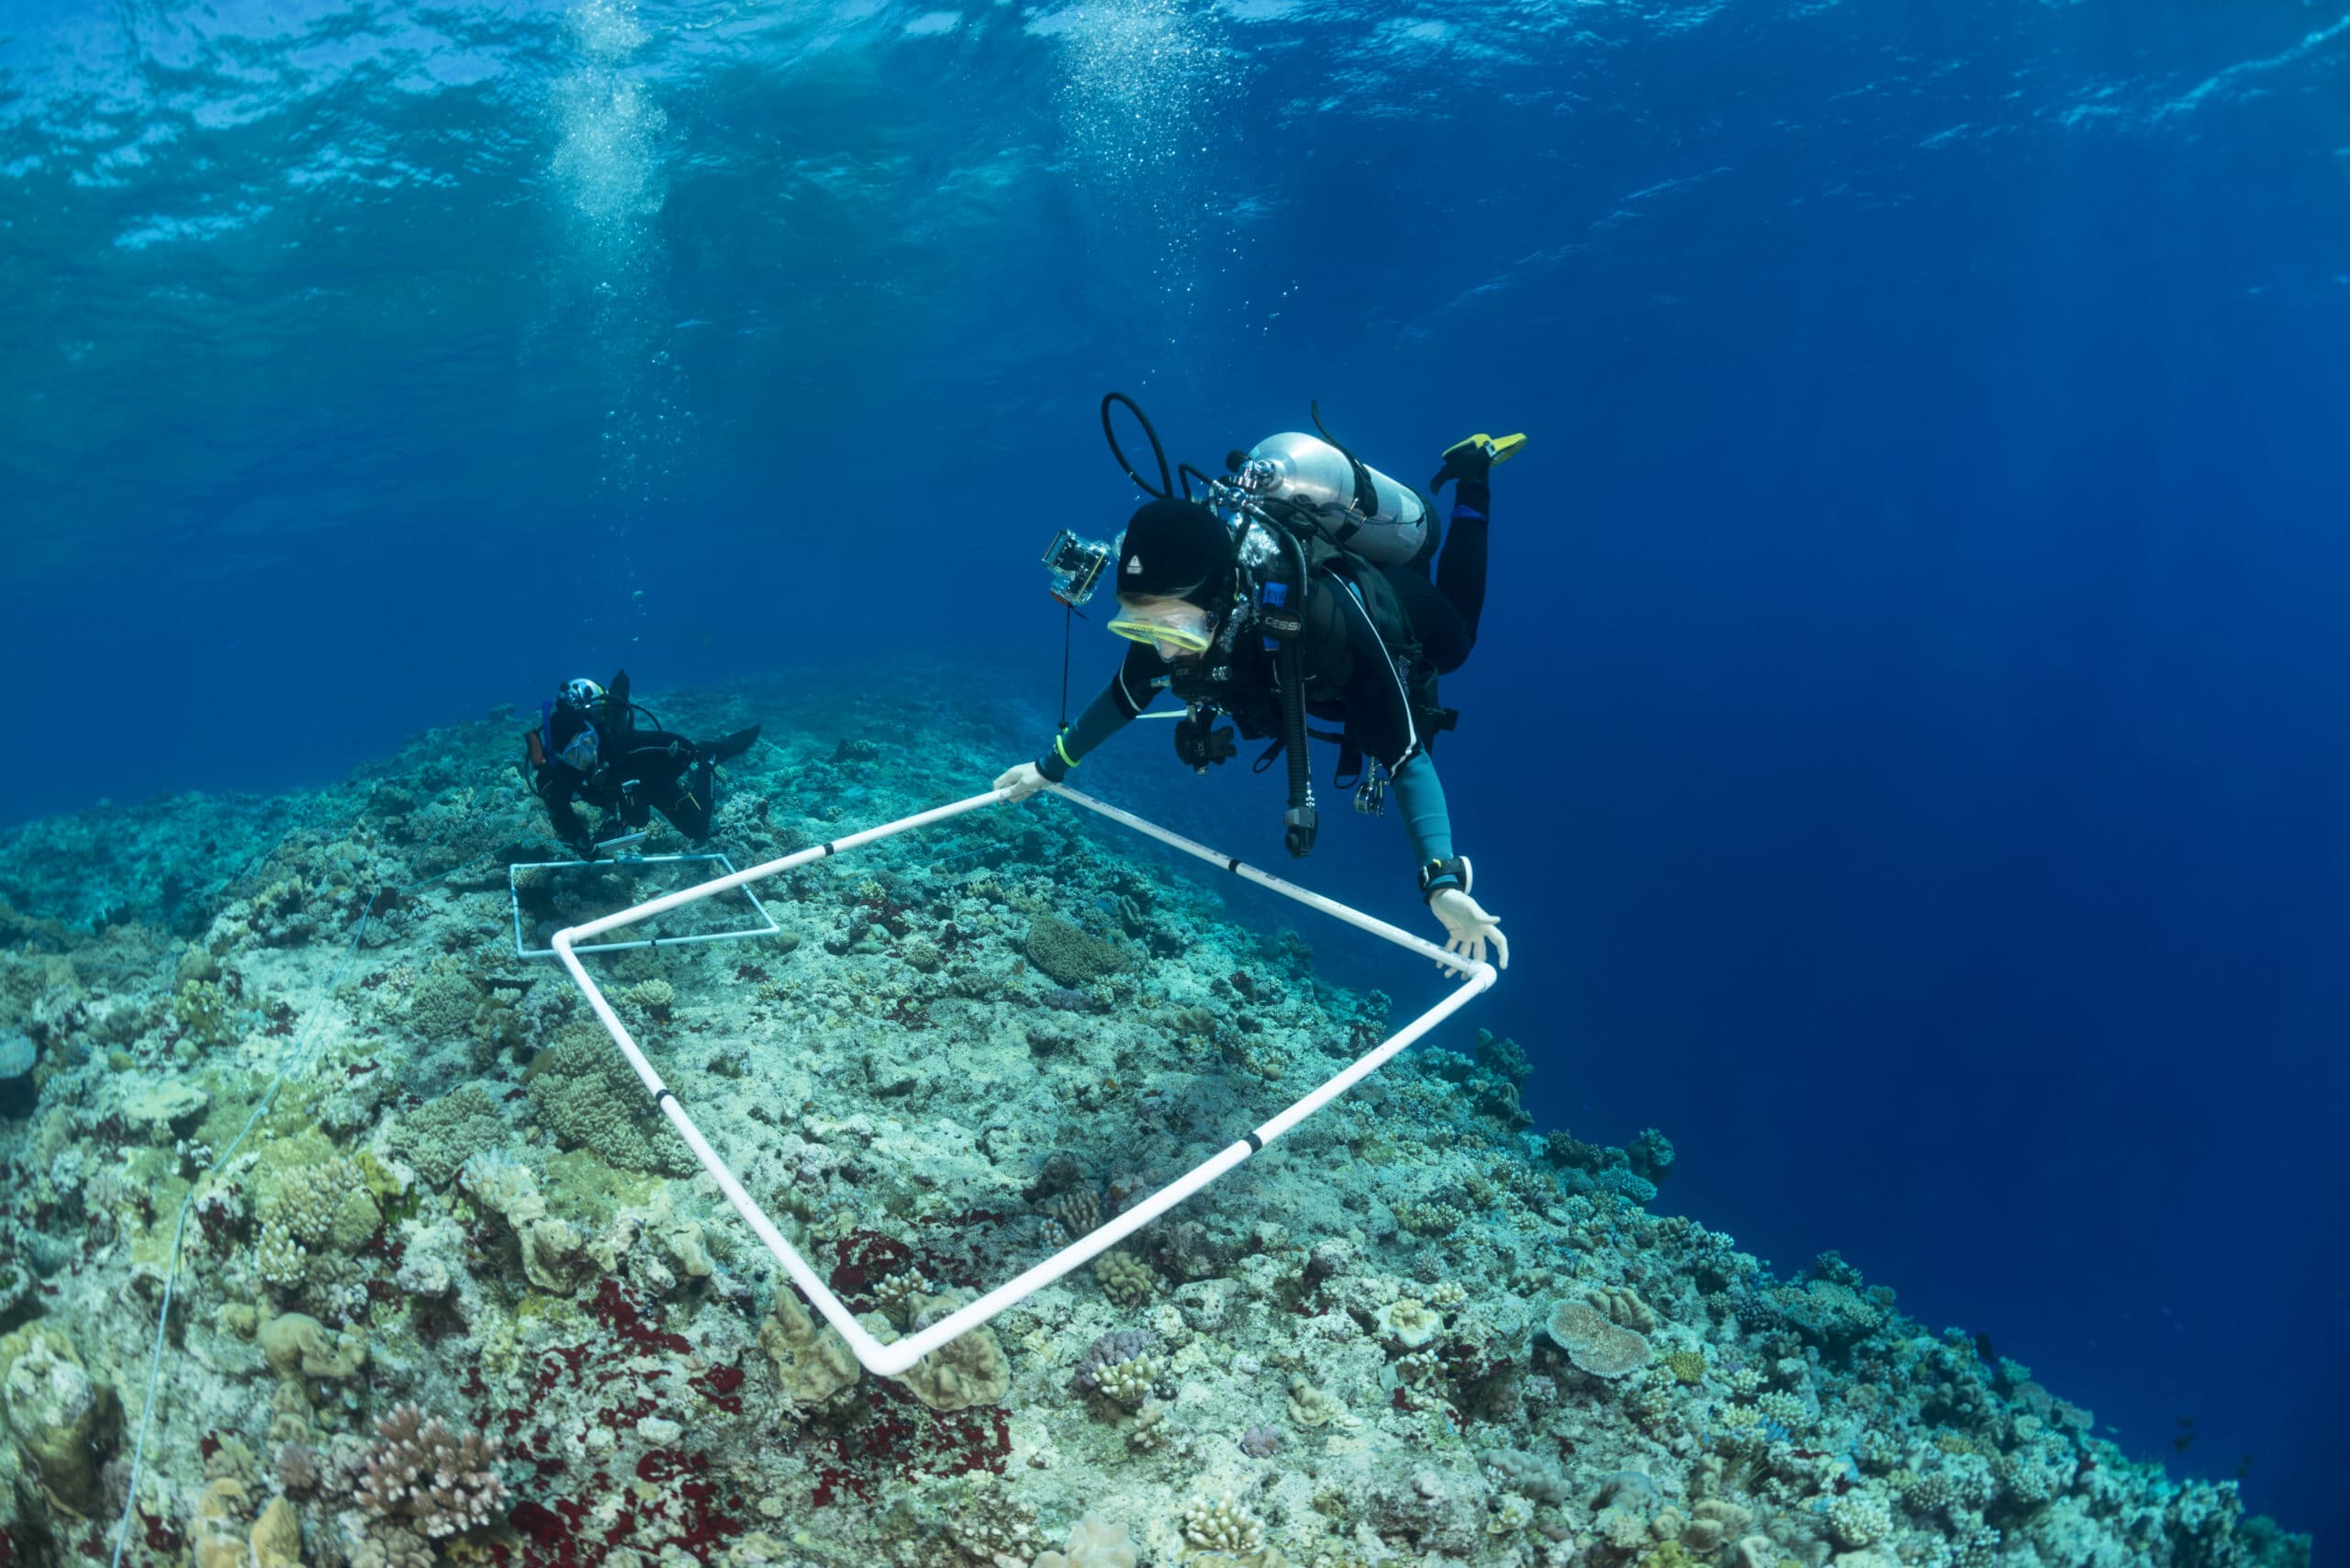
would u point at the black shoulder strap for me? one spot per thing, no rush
(1366, 493)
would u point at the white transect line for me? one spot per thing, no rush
(890, 1359)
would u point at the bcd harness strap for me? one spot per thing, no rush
(1366, 493)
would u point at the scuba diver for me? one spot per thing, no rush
(1305, 585)
(588, 747)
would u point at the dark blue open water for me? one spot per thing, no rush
(1907, 745)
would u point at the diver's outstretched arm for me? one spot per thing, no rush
(1116, 706)
(1444, 876)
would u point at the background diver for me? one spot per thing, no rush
(588, 747)
(1208, 595)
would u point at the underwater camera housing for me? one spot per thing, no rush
(1075, 565)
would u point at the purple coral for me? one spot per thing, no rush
(421, 1471)
(1261, 1442)
(299, 1468)
(1109, 1350)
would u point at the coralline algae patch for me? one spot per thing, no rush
(460, 1297)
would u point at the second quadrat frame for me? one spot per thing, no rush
(895, 1357)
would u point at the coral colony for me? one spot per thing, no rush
(460, 1297)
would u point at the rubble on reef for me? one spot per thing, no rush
(461, 1297)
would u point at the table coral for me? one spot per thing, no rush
(1595, 1344)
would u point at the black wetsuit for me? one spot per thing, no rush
(637, 772)
(1384, 696)
(1445, 608)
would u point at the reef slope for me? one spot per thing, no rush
(458, 1296)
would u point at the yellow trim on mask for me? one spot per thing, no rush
(1159, 632)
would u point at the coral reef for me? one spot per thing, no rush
(461, 1297)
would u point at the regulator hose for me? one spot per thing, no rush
(1166, 490)
(1301, 822)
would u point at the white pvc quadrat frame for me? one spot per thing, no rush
(514, 893)
(890, 1359)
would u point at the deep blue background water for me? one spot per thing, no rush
(1907, 746)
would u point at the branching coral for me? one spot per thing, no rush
(1859, 1519)
(1125, 1278)
(421, 1473)
(1069, 956)
(584, 1093)
(441, 1135)
(1128, 1383)
(1110, 1349)
(1220, 1524)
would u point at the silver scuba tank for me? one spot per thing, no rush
(1351, 503)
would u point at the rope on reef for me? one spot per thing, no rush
(303, 1058)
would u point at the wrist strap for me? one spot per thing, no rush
(1437, 875)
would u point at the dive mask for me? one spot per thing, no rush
(581, 751)
(1173, 625)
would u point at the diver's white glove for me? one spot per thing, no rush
(1467, 926)
(1022, 780)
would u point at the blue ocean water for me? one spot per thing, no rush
(1905, 746)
